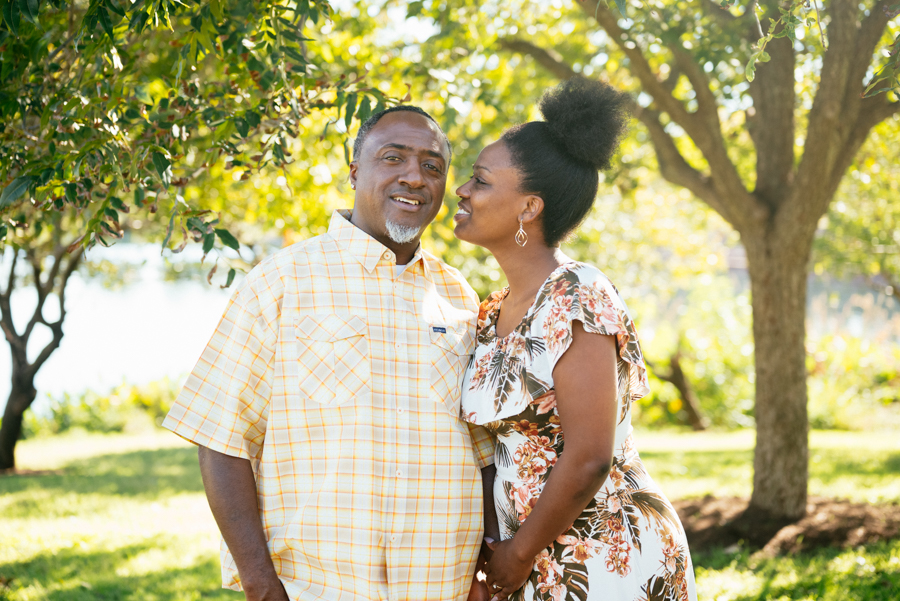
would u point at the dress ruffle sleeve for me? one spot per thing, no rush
(586, 295)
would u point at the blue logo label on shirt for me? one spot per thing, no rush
(439, 329)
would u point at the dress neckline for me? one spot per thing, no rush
(495, 313)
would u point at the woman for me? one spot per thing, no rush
(558, 363)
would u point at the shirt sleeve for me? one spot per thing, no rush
(484, 444)
(225, 402)
(596, 303)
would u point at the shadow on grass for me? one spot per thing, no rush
(73, 575)
(861, 574)
(149, 475)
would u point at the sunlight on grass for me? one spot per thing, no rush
(860, 466)
(124, 517)
(871, 573)
(119, 517)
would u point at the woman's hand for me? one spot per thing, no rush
(506, 571)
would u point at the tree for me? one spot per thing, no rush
(105, 99)
(767, 155)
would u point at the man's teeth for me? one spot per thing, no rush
(406, 200)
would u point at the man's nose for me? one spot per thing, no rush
(412, 176)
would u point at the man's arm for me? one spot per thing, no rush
(231, 491)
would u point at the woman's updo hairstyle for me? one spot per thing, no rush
(559, 157)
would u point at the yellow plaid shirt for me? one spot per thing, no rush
(340, 381)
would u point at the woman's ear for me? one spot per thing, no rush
(534, 205)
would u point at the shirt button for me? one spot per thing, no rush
(394, 539)
(397, 345)
(399, 409)
(399, 473)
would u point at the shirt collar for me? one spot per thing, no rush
(363, 247)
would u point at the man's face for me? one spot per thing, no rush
(400, 177)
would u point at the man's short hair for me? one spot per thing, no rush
(369, 123)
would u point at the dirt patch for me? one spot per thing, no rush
(712, 522)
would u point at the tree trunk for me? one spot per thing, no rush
(20, 399)
(690, 405)
(777, 260)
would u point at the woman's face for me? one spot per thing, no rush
(490, 202)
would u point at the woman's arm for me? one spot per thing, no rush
(585, 383)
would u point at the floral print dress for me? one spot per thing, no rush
(628, 544)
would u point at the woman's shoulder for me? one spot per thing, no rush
(576, 278)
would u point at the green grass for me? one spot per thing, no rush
(859, 466)
(123, 517)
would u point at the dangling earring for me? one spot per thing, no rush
(353, 186)
(521, 236)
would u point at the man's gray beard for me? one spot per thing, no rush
(401, 234)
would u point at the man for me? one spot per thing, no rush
(326, 403)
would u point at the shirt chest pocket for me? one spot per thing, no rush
(451, 348)
(333, 358)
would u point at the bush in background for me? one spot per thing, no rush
(126, 407)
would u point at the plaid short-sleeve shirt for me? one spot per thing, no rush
(339, 379)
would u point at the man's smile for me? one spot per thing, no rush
(408, 200)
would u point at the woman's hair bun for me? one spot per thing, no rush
(587, 118)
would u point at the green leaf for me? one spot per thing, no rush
(621, 6)
(414, 9)
(163, 167)
(750, 70)
(208, 241)
(114, 7)
(11, 16)
(350, 109)
(764, 57)
(29, 10)
(242, 126)
(230, 278)
(137, 23)
(227, 239)
(365, 109)
(71, 192)
(117, 203)
(14, 190)
(105, 22)
(215, 6)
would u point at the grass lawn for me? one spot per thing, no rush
(124, 517)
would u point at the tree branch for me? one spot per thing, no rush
(673, 166)
(829, 121)
(870, 31)
(873, 111)
(731, 191)
(549, 59)
(44, 288)
(56, 326)
(6, 320)
(772, 126)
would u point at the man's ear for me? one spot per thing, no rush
(534, 206)
(354, 166)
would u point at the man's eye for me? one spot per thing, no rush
(433, 167)
(391, 158)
